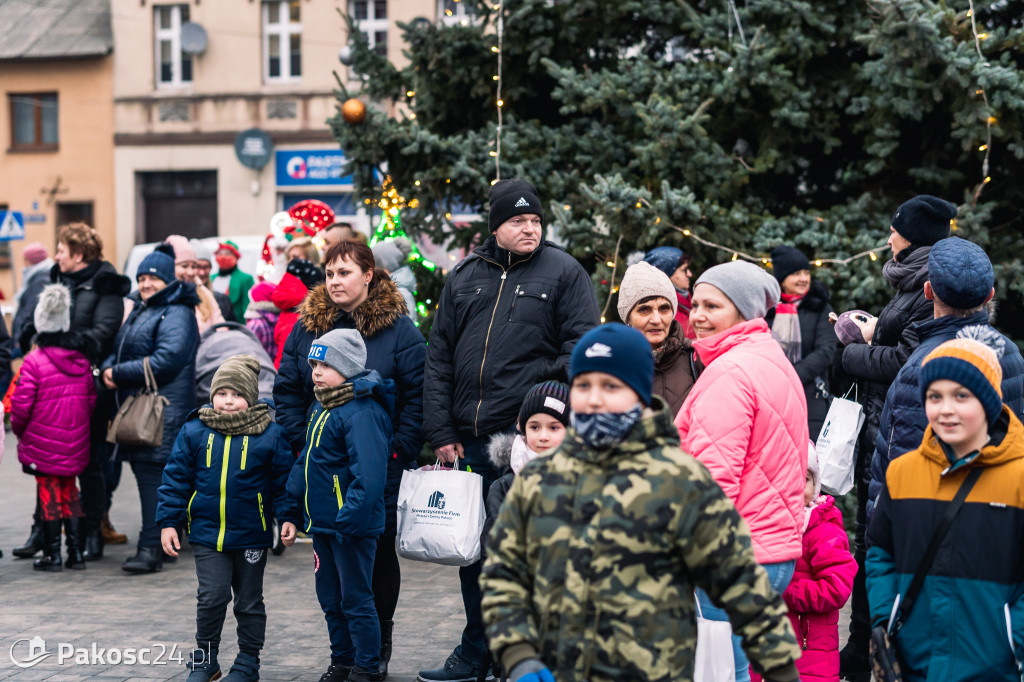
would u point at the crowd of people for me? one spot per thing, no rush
(634, 474)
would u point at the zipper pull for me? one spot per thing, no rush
(504, 274)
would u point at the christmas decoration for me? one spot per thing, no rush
(312, 215)
(353, 111)
(345, 56)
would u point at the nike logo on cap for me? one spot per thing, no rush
(598, 350)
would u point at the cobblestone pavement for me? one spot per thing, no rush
(112, 609)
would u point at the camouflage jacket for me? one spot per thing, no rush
(592, 564)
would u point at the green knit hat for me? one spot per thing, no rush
(240, 373)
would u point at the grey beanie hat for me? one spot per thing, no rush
(642, 280)
(342, 350)
(53, 311)
(202, 253)
(393, 253)
(750, 288)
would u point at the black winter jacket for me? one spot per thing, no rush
(876, 365)
(163, 328)
(97, 307)
(817, 350)
(503, 324)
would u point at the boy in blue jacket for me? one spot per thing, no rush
(338, 482)
(226, 476)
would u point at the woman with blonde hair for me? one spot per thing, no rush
(305, 249)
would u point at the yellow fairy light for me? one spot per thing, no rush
(417, 183)
(991, 120)
(602, 319)
(393, 211)
(494, 48)
(873, 256)
(686, 232)
(982, 147)
(497, 7)
(953, 226)
(494, 181)
(982, 36)
(978, 91)
(448, 216)
(638, 204)
(410, 93)
(970, 12)
(501, 103)
(615, 290)
(818, 263)
(412, 115)
(448, 180)
(610, 264)
(657, 219)
(493, 153)
(764, 261)
(495, 77)
(988, 179)
(735, 256)
(566, 206)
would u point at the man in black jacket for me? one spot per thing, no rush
(97, 308)
(508, 318)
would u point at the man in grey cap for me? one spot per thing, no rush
(204, 265)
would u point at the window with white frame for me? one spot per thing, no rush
(453, 12)
(173, 67)
(282, 40)
(372, 19)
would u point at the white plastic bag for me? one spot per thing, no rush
(440, 516)
(714, 661)
(836, 446)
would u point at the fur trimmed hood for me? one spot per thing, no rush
(380, 310)
(499, 450)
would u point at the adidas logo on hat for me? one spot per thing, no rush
(522, 202)
(598, 350)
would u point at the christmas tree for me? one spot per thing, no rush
(745, 123)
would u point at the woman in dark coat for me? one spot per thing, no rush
(359, 296)
(811, 344)
(162, 326)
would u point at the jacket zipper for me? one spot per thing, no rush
(263, 518)
(188, 512)
(245, 450)
(309, 448)
(337, 490)
(322, 425)
(209, 450)
(487, 338)
(224, 493)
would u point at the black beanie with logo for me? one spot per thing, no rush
(510, 198)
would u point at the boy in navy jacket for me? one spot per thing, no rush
(338, 483)
(225, 478)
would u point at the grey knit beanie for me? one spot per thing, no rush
(643, 280)
(393, 253)
(752, 290)
(202, 253)
(53, 311)
(342, 350)
(240, 373)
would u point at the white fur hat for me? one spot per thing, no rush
(643, 280)
(53, 311)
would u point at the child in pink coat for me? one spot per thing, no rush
(821, 584)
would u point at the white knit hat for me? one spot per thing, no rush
(643, 280)
(53, 311)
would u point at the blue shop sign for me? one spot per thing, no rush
(304, 167)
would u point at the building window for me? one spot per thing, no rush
(282, 40)
(34, 121)
(372, 18)
(173, 67)
(454, 12)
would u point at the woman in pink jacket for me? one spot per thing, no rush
(746, 419)
(50, 413)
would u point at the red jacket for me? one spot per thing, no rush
(50, 411)
(821, 584)
(288, 294)
(683, 314)
(745, 419)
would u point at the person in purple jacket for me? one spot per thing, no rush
(50, 413)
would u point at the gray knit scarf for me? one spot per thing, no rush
(334, 396)
(249, 422)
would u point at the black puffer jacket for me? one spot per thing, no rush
(504, 323)
(97, 307)
(164, 329)
(875, 366)
(817, 350)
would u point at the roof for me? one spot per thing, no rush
(55, 29)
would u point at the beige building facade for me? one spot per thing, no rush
(190, 77)
(56, 123)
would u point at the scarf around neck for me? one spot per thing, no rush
(910, 272)
(786, 327)
(249, 422)
(334, 396)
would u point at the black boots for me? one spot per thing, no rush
(50, 561)
(358, 674)
(246, 668)
(387, 628)
(91, 540)
(75, 558)
(204, 666)
(146, 560)
(32, 545)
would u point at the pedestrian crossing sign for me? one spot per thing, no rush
(12, 226)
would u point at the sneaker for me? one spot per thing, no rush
(336, 673)
(455, 669)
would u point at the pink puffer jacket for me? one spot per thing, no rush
(746, 421)
(50, 411)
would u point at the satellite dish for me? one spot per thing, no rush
(193, 38)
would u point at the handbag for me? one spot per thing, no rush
(139, 421)
(713, 660)
(836, 446)
(884, 658)
(440, 516)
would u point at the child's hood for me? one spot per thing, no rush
(370, 384)
(824, 511)
(69, 362)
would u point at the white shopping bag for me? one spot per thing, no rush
(836, 446)
(440, 516)
(714, 661)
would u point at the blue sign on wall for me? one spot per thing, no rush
(305, 167)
